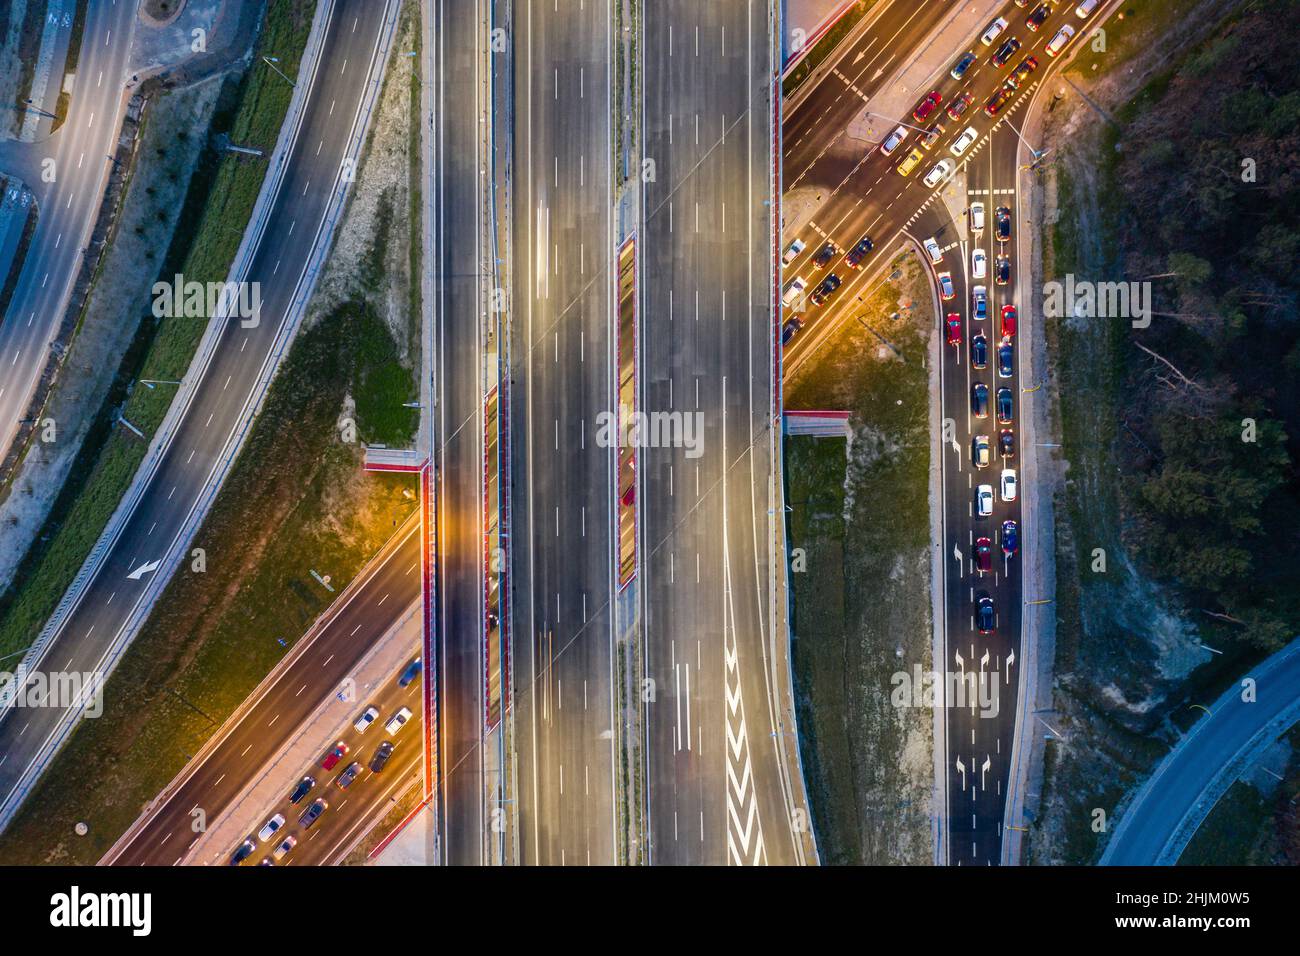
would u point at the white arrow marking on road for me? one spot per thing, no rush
(143, 570)
(956, 553)
(1011, 658)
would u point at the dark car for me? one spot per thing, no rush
(979, 400)
(1004, 406)
(1004, 360)
(824, 255)
(789, 329)
(243, 852)
(859, 252)
(1022, 72)
(303, 788)
(1002, 223)
(825, 289)
(961, 66)
(954, 328)
(979, 351)
(958, 105)
(996, 101)
(927, 106)
(312, 814)
(1010, 537)
(1035, 19)
(1006, 443)
(1002, 270)
(344, 780)
(931, 135)
(1005, 52)
(381, 756)
(984, 616)
(411, 673)
(336, 753)
(983, 555)
(1009, 317)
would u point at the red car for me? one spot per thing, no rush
(958, 106)
(337, 753)
(983, 555)
(954, 328)
(996, 101)
(1008, 320)
(928, 106)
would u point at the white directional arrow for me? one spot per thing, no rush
(984, 661)
(956, 553)
(984, 769)
(1011, 658)
(861, 55)
(880, 71)
(144, 569)
(961, 769)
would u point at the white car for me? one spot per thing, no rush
(792, 252)
(940, 172)
(994, 31)
(1059, 41)
(272, 825)
(399, 719)
(1008, 484)
(285, 846)
(979, 264)
(977, 217)
(933, 251)
(794, 292)
(984, 500)
(366, 719)
(963, 141)
(894, 140)
(1084, 10)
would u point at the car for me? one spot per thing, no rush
(344, 780)
(1022, 72)
(998, 100)
(1002, 270)
(794, 291)
(1010, 537)
(792, 252)
(980, 298)
(933, 251)
(979, 400)
(270, 827)
(980, 453)
(1058, 42)
(961, 66)
(1008, 320)
(894, 139)
(1007, 443)
(1002, 223)
(859, 252)
(979, 351)
(977, 217)
(1004, 359)
(1084, 10)
(962, 143)
(945, 286)
(287, 844)
(932, 134)
(1004, 406)
(303, 788)
(825, 254)
(824, 289)
(954, 328)
(979, 263)
(985, 617)
(366, 719)
(940, 172)
(266, 861)
(984, 500)
(399, 719)
(312, 813)
(1007, 487)
(381, 756)
(983, 555)
(993, 31)
(910, 162)
(959, 104)
(411, 673)
(927, 106)
(789, 329)
(242, 852)
(337, 752)
(1005, 52)
(1035, 19)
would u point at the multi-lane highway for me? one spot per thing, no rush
(223, 395)
(562, 369)
(720, 789)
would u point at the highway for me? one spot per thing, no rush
(68, 206)
(222, 399)
(562, 480)
(719, 790)
(1191, 778)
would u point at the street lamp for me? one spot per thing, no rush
(271, 61)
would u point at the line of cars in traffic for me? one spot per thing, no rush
(275, 826)
(797, 290)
